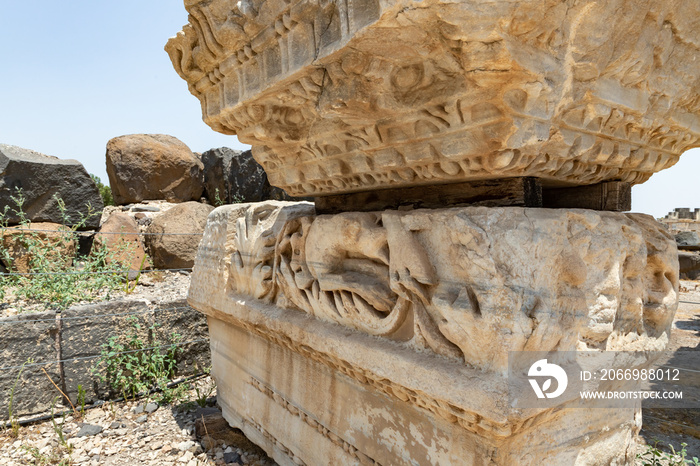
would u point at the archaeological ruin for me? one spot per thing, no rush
(682, 219)
(471, 163)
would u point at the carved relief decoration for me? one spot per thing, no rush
(350, 95)
(466, 283)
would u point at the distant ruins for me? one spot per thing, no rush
(470, 163)
(682, 219)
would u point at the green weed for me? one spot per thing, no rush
(14, 423)
(132, 367)
(53, 280)
(81, 400)
(217, 199)
(653, 456)
(58, 428)
(44, 459)
(204, 390)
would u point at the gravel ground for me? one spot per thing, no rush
(153, 286)
(127, 433)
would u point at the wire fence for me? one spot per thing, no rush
(194, 358)
(101, 318)
(13, 230)
(95, 356)
(97, 316)
(86, 272)
(28, 231)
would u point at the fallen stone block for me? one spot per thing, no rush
(29, 339)
(172, 237)
(120, 236)
(152, 166)
(22, 244)
(42, 179)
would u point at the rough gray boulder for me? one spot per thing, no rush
(21, 341)
(152, 166)
(687, 238)
(234, 176)
(40, 177)
(689, 265)
(173, 237)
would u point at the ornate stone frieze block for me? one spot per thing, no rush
(383, 337)
(352, 95)
(469, 284)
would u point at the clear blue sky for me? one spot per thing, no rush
(77, 73)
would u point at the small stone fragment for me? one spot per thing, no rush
(88, 430)
(687, 238)
(232, 457)
(185, 446)
(151, 407)
(145, 208)
(208, 443)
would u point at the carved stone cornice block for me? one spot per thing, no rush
(353, 95)
(415, 313)
(470, 283)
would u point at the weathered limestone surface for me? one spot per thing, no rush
(408, 318)
(349, 96)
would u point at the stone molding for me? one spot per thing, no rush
(458, 281)
(599, 280)
(356, 95)
(481, 417)
(309, 419)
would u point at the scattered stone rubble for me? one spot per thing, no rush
(149, 174)
(138, 433)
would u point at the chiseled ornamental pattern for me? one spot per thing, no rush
(468, 283)
(350, 95)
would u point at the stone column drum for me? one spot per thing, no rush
(379, 332)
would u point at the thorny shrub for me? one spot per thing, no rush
(54, 280)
